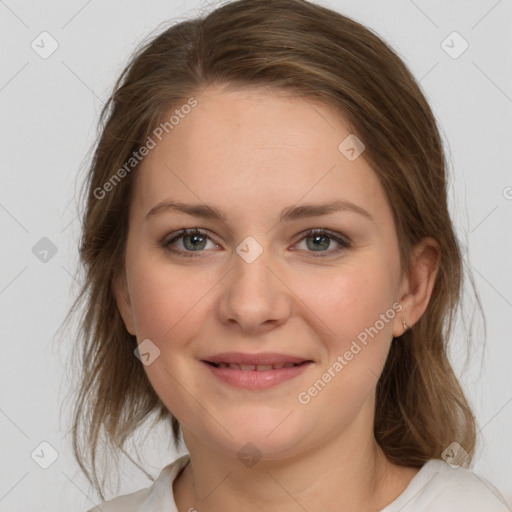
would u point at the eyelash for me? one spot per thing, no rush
(344, 242)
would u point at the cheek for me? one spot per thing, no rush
(167, 300)
(357, 343)
(168, 306)
(349, 302)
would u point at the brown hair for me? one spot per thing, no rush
(314, 53)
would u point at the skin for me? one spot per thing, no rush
(252, 154)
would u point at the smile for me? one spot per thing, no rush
(254, 367)
(255, 371)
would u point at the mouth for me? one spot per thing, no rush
(255, 371)
(255, 367)
(263, 361)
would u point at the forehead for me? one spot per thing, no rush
(252, 149)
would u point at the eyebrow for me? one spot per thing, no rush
(288, 214)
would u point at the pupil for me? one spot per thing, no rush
(318, 238)
(195, 238)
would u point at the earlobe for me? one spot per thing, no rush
(123, 301)
(419, 283)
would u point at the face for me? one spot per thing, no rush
(253, 284)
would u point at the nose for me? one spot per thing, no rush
(254, 297)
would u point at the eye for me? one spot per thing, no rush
(317, 240)
(320, 240)
(193, 240)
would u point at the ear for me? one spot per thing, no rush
(416, 287)
(122, 296)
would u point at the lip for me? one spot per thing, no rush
(256, 379)
(261, 358)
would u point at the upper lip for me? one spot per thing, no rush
(256, 359)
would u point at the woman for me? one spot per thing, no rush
(272, 270)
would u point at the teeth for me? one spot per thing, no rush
(264, 367)
(253, 367)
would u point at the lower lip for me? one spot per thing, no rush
(254, 379)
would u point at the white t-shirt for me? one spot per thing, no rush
(437, 487)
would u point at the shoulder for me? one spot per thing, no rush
(438, 486)
(467, 489)
(125, 503)
(158, 496)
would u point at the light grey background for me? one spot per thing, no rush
(49, 112)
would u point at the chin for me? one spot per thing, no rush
(257, 435)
